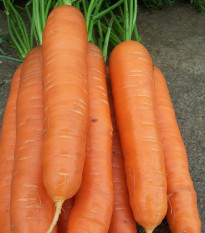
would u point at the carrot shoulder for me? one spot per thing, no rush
(31, 207)
(7, 146)
(122, 217)
(182, 215)
(65, 103)
(93, 205)
(131, 73)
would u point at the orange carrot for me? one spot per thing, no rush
(122, 217)
(31, 207)
(7, 145)
(131, 73)
(182, 212)
(64, 216)
(65, 103)
(92, 210)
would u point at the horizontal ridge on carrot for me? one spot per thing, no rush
(131, 73)
(92, 210)
(7, 146)
(31, 207)
(65, 103)
(182, 215)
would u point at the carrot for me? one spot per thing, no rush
(7, 146)
(182, 212)
(31, 207)
(65, 103)
(64, 216)
(92, 210)
(122, 217)
(131, 73)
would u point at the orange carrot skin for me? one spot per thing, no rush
(64, 216)
(7, 146)
(92, 210)
(122, 217)
(182, 215)
(131, 72)
(65, 101)
(31, 207)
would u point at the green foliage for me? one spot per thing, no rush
(199, 4)
(2, 40)
(153, 4)
(24, 35)
(17, 29)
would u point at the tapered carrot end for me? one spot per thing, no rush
(149, 230)
(58, 206)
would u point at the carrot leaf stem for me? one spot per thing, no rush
(43, 19)
(18, 35)
(107, 37)
(15, 42)
(100, 40)
(60, 2)
(118, 26)
(15, 34)
(67, 2)
(126, 25)
(93, 15)
(84, 8)
(98, 6)
(28, 11)
(10, 58)
(135, 9)
(48, 5)
(89, 12)
(136, 35)
(121, 12)
(90, 31)
(131, 16)
(21, 25)
(77, 4)
(99, 15)
(113, 37)
(32, 33)
(37, 21)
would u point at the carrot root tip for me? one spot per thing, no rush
(149, 231)
(58, 206)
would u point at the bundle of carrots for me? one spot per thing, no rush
(85, 148)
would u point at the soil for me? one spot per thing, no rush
(175, 39)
